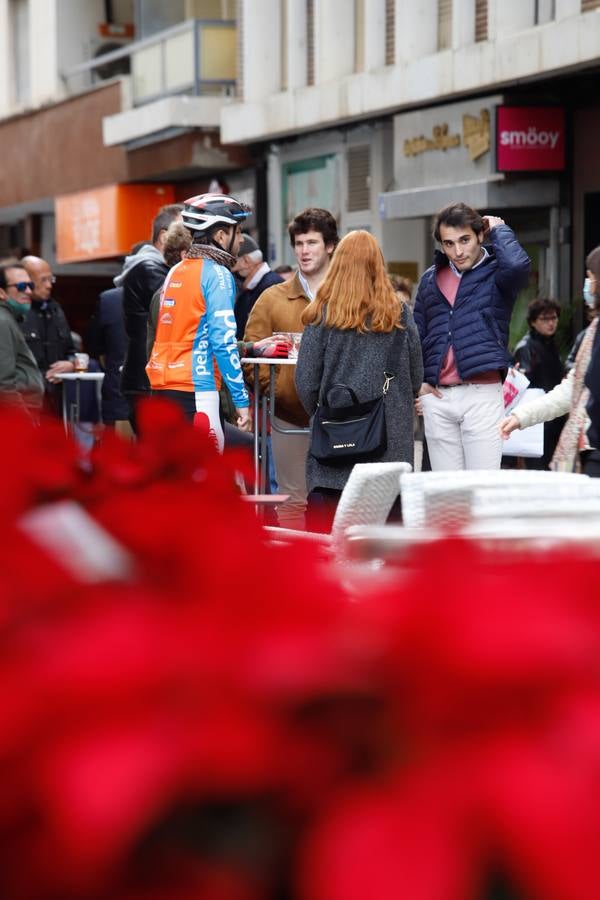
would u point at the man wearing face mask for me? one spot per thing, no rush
(20, 379)
(592, 376)
(578, 395)
(590, 313)
(257, 276)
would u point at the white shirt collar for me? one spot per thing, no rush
(484, 256)
(305, 286)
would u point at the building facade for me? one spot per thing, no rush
(109, 110)
(381, 110)
(386, 110)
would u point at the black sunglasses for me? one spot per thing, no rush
(22, 285)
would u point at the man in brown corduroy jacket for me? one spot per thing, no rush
(313, 236)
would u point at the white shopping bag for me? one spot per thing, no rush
(513, 389)
(527, 442)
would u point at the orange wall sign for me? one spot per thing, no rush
(105, 222)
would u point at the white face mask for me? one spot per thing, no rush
(590, 299)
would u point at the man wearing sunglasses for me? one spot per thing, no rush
(47, 331)
(20, 378)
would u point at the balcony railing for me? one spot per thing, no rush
(198, 57)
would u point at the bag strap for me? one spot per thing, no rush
(344, 387)
(393, 357)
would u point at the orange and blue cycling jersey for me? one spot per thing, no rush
(195, 332)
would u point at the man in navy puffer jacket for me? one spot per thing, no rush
(462, 310)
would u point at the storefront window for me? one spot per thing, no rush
(309, 182)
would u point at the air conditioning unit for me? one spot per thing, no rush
(113, 67)
(121, 31)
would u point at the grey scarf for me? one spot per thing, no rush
(209, 251)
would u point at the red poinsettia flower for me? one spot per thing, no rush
(215, 718)
(40, 463)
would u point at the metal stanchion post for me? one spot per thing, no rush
(256, 431)
(65, 410)
(264, 435)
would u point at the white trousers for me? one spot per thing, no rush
(289, 454)
(207, 403)
(462, 427)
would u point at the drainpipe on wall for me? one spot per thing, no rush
(554, 253)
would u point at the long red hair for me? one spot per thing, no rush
(356, 293)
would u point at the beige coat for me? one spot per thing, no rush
(570, 396)
(279, 308)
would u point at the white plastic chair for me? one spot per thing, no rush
(395, 544)
(445, 499)
(367, 499)
(508, 510)
(537, 532)
(574, 499)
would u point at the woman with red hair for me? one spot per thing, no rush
(351, 326)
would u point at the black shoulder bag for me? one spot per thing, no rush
(344, 435)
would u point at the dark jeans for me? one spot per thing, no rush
(132, 403)
(321, 505)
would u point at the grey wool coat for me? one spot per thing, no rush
(328, 356)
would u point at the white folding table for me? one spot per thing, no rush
(71, 411)
(263, 412)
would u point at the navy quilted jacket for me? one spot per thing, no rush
(477, 326)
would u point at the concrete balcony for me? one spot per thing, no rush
(173, 82)
(161, 120)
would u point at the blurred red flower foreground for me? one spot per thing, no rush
(188, 713)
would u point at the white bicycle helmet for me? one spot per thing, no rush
(203, 212)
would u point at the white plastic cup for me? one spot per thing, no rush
(81, 362)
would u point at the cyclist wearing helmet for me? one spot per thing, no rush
(195, 340)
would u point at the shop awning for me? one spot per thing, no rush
(488, 194)
(105, 222)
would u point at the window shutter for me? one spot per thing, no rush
(444, 24)
(390, 32)
(359, 178)
(481, 20)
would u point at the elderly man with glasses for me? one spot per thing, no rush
(538, 357)
(20, 378)
(47, 331)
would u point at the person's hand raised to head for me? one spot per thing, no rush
(490, 222)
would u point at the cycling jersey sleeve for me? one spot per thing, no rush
(218, 288)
